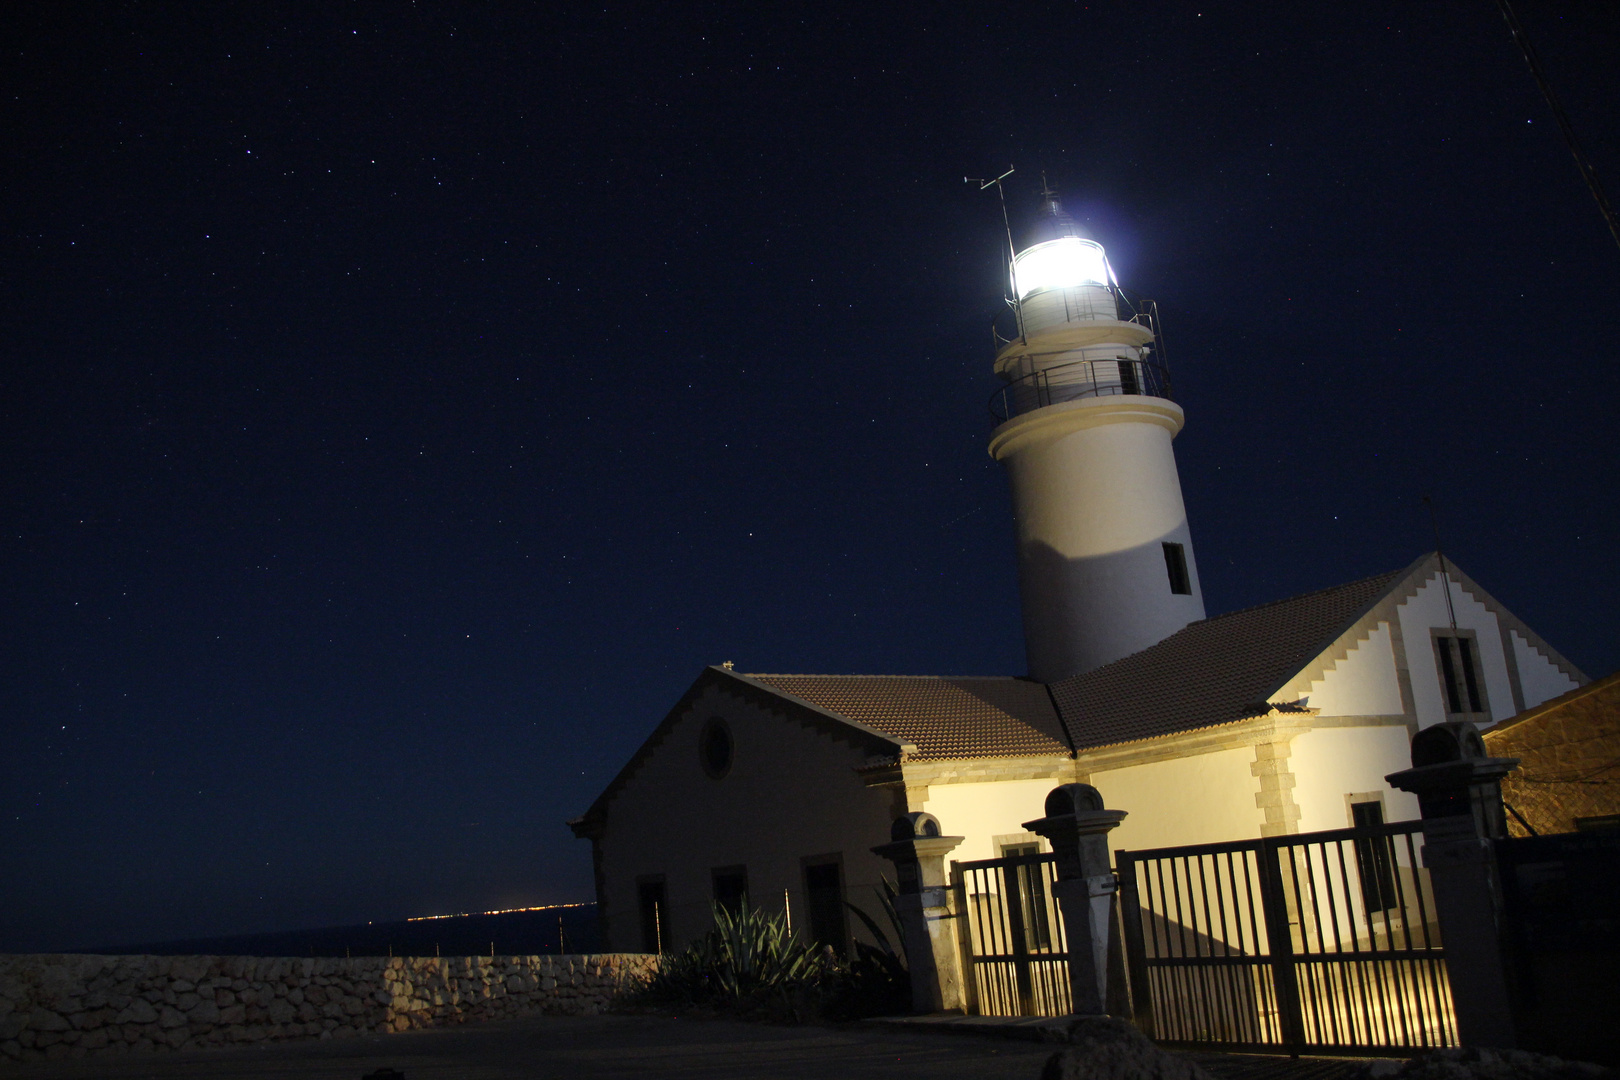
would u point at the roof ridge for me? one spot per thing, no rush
(1301, 596)
(812, 675)
(1216, 670)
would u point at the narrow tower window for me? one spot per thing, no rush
(1175, 561)
(1128, 383)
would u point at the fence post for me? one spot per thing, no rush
(924, 905)
(1130, 917)
(1459, 788)
(1077, 826)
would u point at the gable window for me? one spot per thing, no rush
(715, 748)
(824, 889)
(730, 887)
(1175, 561)
(653, 904)
(1462, 684)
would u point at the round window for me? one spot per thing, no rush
(714, 748)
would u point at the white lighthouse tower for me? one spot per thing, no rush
(1105, 559)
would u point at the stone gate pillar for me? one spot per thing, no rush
(924, 905)
(1459, 788)
(1077, 827)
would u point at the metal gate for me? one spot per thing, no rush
(1011, 934)
(1323, 941)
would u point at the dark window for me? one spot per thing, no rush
(731, 888)
(1030, 881)
(824, 888)
(1459, 673)
(1374, 859)
(1127, 377)
(650, 892)
(714, 748)
(1175, 561)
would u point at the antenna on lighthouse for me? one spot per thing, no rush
(1012, 255)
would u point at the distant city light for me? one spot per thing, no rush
(503, 911)
(1064, 263)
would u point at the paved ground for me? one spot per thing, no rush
(588, 1048)
(602, 1047)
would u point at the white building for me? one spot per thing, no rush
(1281, 718)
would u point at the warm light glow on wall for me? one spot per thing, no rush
(1065, 263)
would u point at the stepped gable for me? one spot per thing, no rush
(945, 718)
(1215, 671)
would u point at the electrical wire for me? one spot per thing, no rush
(1588, 173)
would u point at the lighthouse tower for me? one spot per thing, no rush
(1085, 421)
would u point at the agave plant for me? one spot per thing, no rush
(876, 982)
(747, 955)
(889, 957)
(754, 951)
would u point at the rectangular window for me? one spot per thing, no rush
(824, 889)
(1030, 881)
(1457, 653)
(653, 903)
(1175, 561)
(1375, 861)
(730, 887)
(1127, 378)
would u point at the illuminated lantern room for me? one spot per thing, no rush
(1060, 276)
(1062, 333)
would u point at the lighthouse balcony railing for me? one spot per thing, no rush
(1076, 380)
(1006, 328)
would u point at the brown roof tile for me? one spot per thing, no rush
(945, 718)
(1211, 672)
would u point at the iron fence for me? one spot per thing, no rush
(1320, 941)
(1011, 934)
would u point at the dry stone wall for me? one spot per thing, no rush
(61, 1006)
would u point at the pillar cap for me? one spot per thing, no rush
(1444, 775)
(931, 847)
(1078, 807)
(1449, 756)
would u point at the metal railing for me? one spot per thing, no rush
(1143, 313)
(1075, 380)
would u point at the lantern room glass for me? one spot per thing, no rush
(1068, 262)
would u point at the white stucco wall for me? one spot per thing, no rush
(791, 792)
(1096, 495)
(1330, 763)
(1194, 800)
(1363, 683)
(981, 812)
(1425, 611)
(1539, 678)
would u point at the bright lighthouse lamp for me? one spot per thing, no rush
(1065, 263)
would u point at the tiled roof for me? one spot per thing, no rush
(944, 718)
(1211, 672)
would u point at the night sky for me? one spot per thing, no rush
(403, 403)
